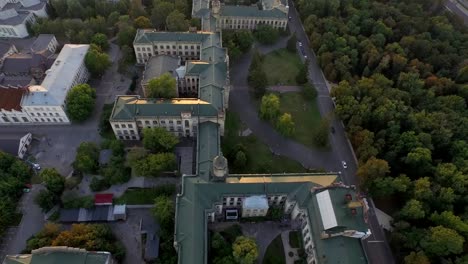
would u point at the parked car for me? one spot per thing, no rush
(332, 129)
(300, 44)
(344, 164)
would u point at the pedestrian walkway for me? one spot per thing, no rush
(284, 88)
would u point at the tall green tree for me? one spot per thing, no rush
(87, 158)
(142, 22)
(292, 42)
(373, 168)
(53, 180)
(80, 102)
(245, 250)
(266, 34)
(270, 107)
(176, 21)
(163, 86)
(301, 77)
(96, 61)
(285, 125)
(155, 164)
(442, 241)
(101, 41)
(159, 139)
(160, 12)
(164, 211)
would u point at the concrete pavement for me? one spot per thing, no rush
(458, 9)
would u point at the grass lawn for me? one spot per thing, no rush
(144, 195)
(281, 66)
(305, 114)
(275, 252)
(259, 157)
(294, 239)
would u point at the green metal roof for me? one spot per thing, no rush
(148, 36)
(251, 11)
(130, 107)
(208, 147)
(59, 257)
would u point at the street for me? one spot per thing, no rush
(458, 10)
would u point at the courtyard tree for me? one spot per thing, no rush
(53, 180)
(245, 250)
(176, 21)
(87, 158)
(80, 102)
(126, 35)
(163, 86)
(241, 160)
(142, 22)
(96, 61)
(159, 13)
(320, 135)
(158, 139)
(101, 41)
(285, 124)
(266, 34)
(46, 200)
(136, 154)
(270, 107)
(417, 258)
(155, 164)
(258, 81)
(164, 211)
(301, 77)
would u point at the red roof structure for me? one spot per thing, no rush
(10, 98)
(103, 199)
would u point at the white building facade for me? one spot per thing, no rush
(15, 15)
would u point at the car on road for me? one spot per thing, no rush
(344, 164)
(300, 45)
(34, 165)
(289, 18)
(332, 129)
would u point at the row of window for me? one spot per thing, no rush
(44, 114)
(15, 119)
(48, 119)
(8, 31)
(168, 47)
(154, 122)
(180, 53)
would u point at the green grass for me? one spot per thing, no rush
(259, 157)
(281, 66)
(306, 116)
(145, 195)
(294, 239)
(275, 252)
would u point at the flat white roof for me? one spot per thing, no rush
(255, 202)
(59, 78)
(326, 210)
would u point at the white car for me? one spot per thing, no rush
(36, 166)
(344, 164)
(300, 44)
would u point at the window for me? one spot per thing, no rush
(124, 126)
(179, 122)
(173, 47)
(187, 123)
(130, 126)
(116, 126)
(191, 47)
(133, 137)
(147, 122)
(42, 119)
(163, 122)
(132, 132)
(179, 128)
(50, 114)
(125, 132)
(56, 114)
(32, 114)
(171, 122)
(5, 119)
(172, 129)
(25, 119)
(121, 137)
(127, 137)
(138, 49)
(186, 47)
(38, 114)
(155, 122)
(60, 120)
(54, 120)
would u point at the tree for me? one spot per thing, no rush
(160, 12)
(462, 76)
(53, 180)
(142, 22)
(176, 21)
(442, 241)
(158, 139)
(98, 185)
(301, 77)
(270, 107)
(292, 42)
(266, 34)
(164, 211)
(449, 220)
(422, 189)
(136, 154)
(417, 258)
(87, 158)
(46, 200)
(163, 86)
(97, 62)
(285, 125)
(126, 35)
(420, 160)
(241, 160)
(80, 102)
(320, 135)
(155, 164)
(309, 92)
(373, 168)
(413, 209)
(243, 39)
(101, 41)
(258, 81)
(245, 250)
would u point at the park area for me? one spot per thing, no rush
(281, 67)
(259, 158)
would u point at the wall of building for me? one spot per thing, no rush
(17, 31)
(306, 233)
(251, 23)
(186, 50)
(14, 117)
(47, 114)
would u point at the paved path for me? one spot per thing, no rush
(457, 8)
(31, 223)
(284, 89)
(264, 233)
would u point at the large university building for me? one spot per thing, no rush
(16, 14)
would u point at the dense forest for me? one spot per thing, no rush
(401, 74)
(14, 173)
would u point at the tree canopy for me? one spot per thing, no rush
(80, 102)
(266, 34)
(285, 124)
(270, 107)
(164, 211)
(245, 250)
(164, 86)
(87, 157)
(176, 21)
(101, 41)
(96, 61)
(158, 139)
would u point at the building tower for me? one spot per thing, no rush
(216, 8)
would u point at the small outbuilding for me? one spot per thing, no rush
(255, 206)
(120, 212)
(103, 199)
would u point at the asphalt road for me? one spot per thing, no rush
(376, 247)
(457, 9)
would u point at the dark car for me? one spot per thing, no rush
(332, 129)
